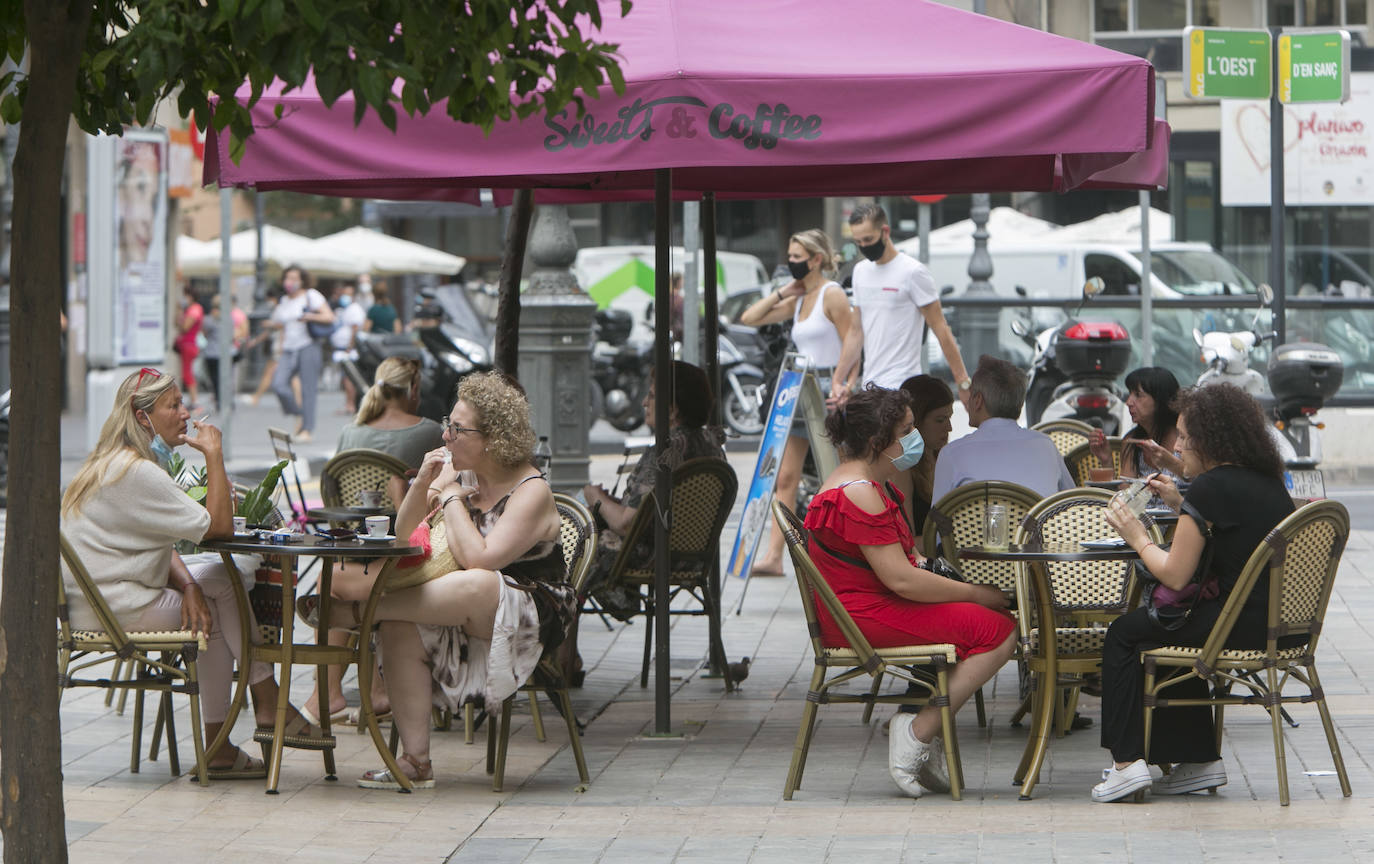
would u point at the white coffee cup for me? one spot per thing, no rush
(377, 525)
(371, 498)
(240, 524)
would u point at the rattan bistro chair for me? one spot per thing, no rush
(1066, 434)
(578, 539)
(859, 659)
(1080, 461)
(1301, 556)
(703, 493)
(352, 471)
(1075, 601)
(957, 520)
(79, 650)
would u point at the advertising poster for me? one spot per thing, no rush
(1328, 150)
(757, 516)
(140, 253)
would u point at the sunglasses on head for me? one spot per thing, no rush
(143, 373)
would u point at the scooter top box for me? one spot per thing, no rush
(1093, 348)
(1304, 375)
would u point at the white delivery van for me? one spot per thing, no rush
(1051, 269)
(622, 277)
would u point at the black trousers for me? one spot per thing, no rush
(1178, 734)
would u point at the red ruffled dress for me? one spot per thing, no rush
(886, 619)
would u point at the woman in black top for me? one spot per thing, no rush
(1236, 497)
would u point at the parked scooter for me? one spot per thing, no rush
(1075, 367)
(1301, 376)
(620, 371)
(743, 389)
(450, 344)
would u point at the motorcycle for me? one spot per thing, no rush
(744, 389)
(1300, 377)
(1074, 369)
(620, 371)
(449, 344)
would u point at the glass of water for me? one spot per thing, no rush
(995, 527)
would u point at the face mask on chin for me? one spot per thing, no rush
(913, 448)
(162, 451)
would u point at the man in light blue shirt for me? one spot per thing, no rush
(999, 448)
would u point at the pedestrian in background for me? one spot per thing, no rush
(300, 306)
(188, 332)
(382, 316)
(894, 300)
(350, 316)
(821, 318)
(210, 328)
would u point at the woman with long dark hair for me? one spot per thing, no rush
(1151, 441)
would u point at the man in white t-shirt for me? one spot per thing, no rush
(894, 295)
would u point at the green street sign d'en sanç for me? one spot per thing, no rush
(1226, 64)
(1314, 67)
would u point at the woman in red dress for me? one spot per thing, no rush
(862, 545)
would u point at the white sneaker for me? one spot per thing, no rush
(906, 756)
(1191, 777)
(1118, 783)
(934, 773)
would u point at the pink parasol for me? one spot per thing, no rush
(758, 99)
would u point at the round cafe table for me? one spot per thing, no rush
(1036, 556)
(287, 652)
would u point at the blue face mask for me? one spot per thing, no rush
(913, 448)
(161, 451)
(344, 301)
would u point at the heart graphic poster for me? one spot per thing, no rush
(1328, 150)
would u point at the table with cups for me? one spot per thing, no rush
(286, 652)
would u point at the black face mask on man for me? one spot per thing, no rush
(874, 251)
(799, 269)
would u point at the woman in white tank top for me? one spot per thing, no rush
(820, 316)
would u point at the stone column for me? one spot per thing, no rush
(978, 326)
(556, 338)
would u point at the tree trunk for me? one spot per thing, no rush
(508, 296)
(30, 733)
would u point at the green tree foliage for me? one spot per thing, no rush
(486, 60)
(108, 64)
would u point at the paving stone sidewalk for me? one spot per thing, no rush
(715, 793)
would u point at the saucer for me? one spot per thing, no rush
(368, 538)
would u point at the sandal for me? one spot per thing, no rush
(308, 608)
(298, 733)
(245, 767)
(381, 778)
(354, 716)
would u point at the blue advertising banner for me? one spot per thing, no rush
(754, 524)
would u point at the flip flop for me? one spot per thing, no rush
(299, 734)
(245, 767)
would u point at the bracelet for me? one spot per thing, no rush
(777, 293)
(449, 500)
(1147, 546)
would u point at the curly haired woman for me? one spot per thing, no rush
(1236, 497)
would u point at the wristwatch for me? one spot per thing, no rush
(966, 384)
